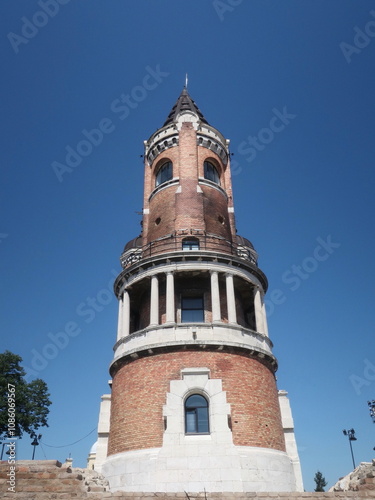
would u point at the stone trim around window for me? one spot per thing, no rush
(196, 380)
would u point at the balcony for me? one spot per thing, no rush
(207, 243)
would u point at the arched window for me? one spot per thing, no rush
(196, 415)
(211, 173)
(164, 173)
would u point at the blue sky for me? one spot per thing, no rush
(309, 182)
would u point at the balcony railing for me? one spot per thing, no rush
(174, 243)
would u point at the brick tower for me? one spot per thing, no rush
(194, 403)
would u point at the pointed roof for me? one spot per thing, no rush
(184, 103)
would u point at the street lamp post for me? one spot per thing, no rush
(35, 442)
(350, 433)
(371, 405)
(2, 450)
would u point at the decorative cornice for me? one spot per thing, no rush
(263, 357)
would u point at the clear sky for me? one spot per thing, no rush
(303, 190)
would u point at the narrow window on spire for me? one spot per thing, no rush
(196, 415)
(164, 174)
(211, 173)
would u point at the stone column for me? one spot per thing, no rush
(154, 305)
(170, 307)
(231, 301)
(120, 316)
(258, 311)
(126, 314)
(215, 296)
(264, 313)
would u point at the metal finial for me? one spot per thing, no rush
(186, 81)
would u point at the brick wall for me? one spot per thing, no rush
(162, 214)
(225, 181)
(139, 393)
(216, 204)
(186, 209)
(216, 212)
(158, 202)
(143, 308)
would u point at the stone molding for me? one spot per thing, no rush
(196, 380)
(222, 337)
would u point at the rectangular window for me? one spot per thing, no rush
(192, 310)
(197, 421)
(202, 419)
(190, 244)
(190, 421)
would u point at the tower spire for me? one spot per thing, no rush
(184, 103)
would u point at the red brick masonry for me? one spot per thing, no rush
(139, 393)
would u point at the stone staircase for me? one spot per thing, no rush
(50, 480)
(362, 478)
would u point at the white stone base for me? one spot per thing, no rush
(200, 466)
